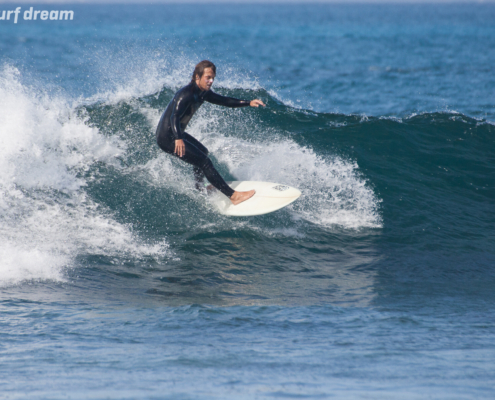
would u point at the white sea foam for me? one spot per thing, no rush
(334, 192)
(46, 218)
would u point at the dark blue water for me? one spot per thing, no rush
(118, 280)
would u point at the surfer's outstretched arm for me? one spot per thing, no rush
(219, 100)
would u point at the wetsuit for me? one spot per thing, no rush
(172, 127)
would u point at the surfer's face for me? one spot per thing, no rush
(205, 82)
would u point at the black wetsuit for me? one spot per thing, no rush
(172, 127)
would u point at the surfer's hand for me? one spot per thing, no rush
(256, 103)
(180, 147)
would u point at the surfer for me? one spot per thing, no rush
(173, 139)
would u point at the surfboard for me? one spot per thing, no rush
(269, 197)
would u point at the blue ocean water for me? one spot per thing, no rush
(119, 281)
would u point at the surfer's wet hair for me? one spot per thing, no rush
(199, 70)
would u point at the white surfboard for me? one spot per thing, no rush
(269, 197)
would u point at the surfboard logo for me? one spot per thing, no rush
(280, 188)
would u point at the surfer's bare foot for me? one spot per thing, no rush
(239, 197)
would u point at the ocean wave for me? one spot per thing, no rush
(87, 177)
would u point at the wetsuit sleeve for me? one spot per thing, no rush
(180, 105)
(215, 98)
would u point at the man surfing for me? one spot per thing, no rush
(171, 133)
